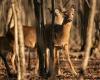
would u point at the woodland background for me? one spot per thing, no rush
(78, 38)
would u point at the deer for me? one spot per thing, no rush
(5, 50)
(30, 40)
(61, 33)
(62, 26)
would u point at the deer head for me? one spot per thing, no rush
(58, 17)
(68, 15)
(63, 16)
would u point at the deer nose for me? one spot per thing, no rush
(67, 18)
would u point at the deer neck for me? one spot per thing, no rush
(58, 20)
(66, 31)
(67, 26)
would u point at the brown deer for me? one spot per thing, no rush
(29, 35)
(29, 39)
(5, 49)
(61, 34)
(62, 26)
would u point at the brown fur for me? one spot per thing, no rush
(61, 36)
(29, 40)
(5, 50)
(29, 36)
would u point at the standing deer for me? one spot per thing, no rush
(5, 49)
(62, 26)
(29, 40)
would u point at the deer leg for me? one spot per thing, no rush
(14, 66)
(13, 62)
(66, 52)
(28, 58)
(51, 72)
(36, 61)
(6, 64)
(47, 56)
(37, 66)
(56, 60)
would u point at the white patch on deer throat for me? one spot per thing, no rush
(59, 19)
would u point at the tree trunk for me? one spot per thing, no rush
(16, 31)
(19, 38)
(51, 59)
(89, 35)
(21, 55)
(40, 40)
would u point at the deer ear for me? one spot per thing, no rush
(57, 11)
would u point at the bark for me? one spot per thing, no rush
(3, 16)
(19, 38)
(44, 12)
(61, 4)
(10, 21)
(51, 59)
(14, 19)
(21, 55)
(89, 35)
(39, 31)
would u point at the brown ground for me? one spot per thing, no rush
(92, 73)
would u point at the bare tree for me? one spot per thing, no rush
(19, 38)
(21, 55)
(89, 35)
(39, 32)
(14, 19)
(3, 15)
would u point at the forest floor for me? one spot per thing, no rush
(92, 73)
